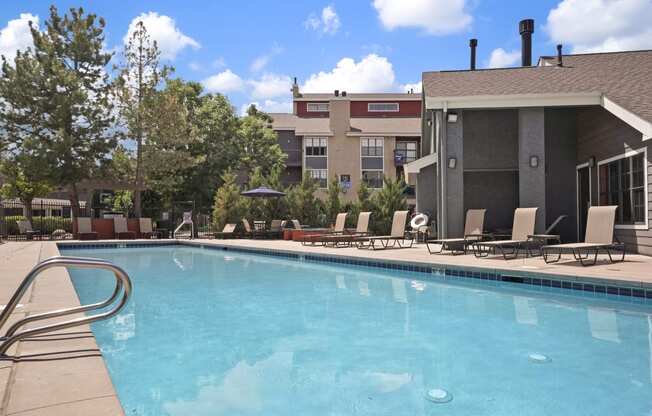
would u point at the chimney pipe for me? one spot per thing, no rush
(337, 93)
(343, 93)
(473, 43)
(526, 28)
(559, 56)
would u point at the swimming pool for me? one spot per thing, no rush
(211, 332)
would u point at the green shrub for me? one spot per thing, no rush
(44, 224)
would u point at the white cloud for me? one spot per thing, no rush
(372, 73)
(601, 25)
(500, 58)
(268, 106)
(435, 17)
(218, 62)
(16, 35)
(270, 86)
(165, 32)
(224, 82)
(261, 61)
(415, 87)
(328, 22)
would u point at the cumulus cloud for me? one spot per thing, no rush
(269, 106)
(261, 61)
(372, 73)
(435, 17)
(224, 82)
(500, 58)
(16, 35)
(601, 25)
(270, 86)
(327, 22)
(164, 30)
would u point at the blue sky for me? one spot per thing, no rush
(250, 50)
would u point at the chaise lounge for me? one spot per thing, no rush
(599, 237)
(523, 227)
(120, 229)
(85, 229)
(473, 232)
(396, 237)
(338, 230)
(348, 238)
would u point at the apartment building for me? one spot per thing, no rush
(354, 137)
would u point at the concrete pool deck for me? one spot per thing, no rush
(67, 374)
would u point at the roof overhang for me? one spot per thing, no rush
(542, 100)
(417, 165)
(313, 133)
(383, 133)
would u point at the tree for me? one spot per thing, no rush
(302, 203)
(58, 95)
(258, 143)
(22, 181)
(123, 201)
(275, 208)
(138, 80)
(228, 206)
(255, 207)
(333, 203)
(389, 199)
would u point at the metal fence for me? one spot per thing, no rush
(48, 216)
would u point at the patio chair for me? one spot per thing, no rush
(296, 225)
(473, 232)
(600, 224)
(120, 229)
(227, 232)
(340, 223)
(275, 229)
(252, 232)
(85, 229)
(397, 236)
(146, 230)
(348, 238)
(524, 222)
(25, 228)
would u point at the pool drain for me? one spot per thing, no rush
(439, 396)
(539, 358)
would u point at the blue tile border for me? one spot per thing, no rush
(578, 288)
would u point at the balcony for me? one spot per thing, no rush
(402, 157)
(295, 157)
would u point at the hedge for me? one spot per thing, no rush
(46, 225)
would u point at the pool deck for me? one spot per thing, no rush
(68, 376)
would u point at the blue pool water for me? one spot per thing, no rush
(210, 332)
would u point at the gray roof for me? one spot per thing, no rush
(623, 77)
(388, 126)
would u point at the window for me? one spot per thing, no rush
(317, 107)
(621, 182)
(316, 159)
(316, 146)
(320, 175)
(371, 161)
(382, 107)
(407, 151)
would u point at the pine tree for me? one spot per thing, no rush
(228, 206)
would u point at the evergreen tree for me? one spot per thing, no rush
(228, 207)
(387, 200)
(333, 202)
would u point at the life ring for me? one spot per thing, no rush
(418, 221)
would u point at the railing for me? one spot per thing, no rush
(47, 215)
(123, 286)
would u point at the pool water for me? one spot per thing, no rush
(211, 332)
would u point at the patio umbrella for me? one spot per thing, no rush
(262, 192)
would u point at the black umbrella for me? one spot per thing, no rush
(262, 192)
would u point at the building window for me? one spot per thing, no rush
(317, 107)
(371, 161)
(382, 107)
(319, 175)
(316, 146)
(622, 182)
(406, 151)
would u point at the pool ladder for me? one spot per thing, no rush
(122, 290)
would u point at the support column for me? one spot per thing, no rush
(532, 180)
(455, 176)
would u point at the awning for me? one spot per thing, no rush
(413, 168)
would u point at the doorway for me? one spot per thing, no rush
(583, 198)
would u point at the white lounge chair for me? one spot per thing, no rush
(473, 232)
(524, 222)
(397, 236)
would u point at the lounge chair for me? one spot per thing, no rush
(397, 236)
(227, 232)
(348, 238)
(120, 229)
(146, 230)
(85, 229)
(253, 232)
(473, 232)
(599, 237)
(340, 223)
(524, 222)
(275, 229)
(296, 225)
(25, 228)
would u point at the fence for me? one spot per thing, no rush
(48, 215)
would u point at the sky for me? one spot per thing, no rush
(250, 51)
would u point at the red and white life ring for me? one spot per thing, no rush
(418, 220)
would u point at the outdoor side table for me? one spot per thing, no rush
(537, 241)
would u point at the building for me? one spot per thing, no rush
(570, 132)
(354, 137)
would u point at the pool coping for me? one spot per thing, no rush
(623, 289)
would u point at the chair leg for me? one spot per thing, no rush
(546, 256)
(478, 252)
(585, 263)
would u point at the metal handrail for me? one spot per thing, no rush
(123, 285)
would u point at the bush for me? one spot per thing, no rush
(45, 225)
